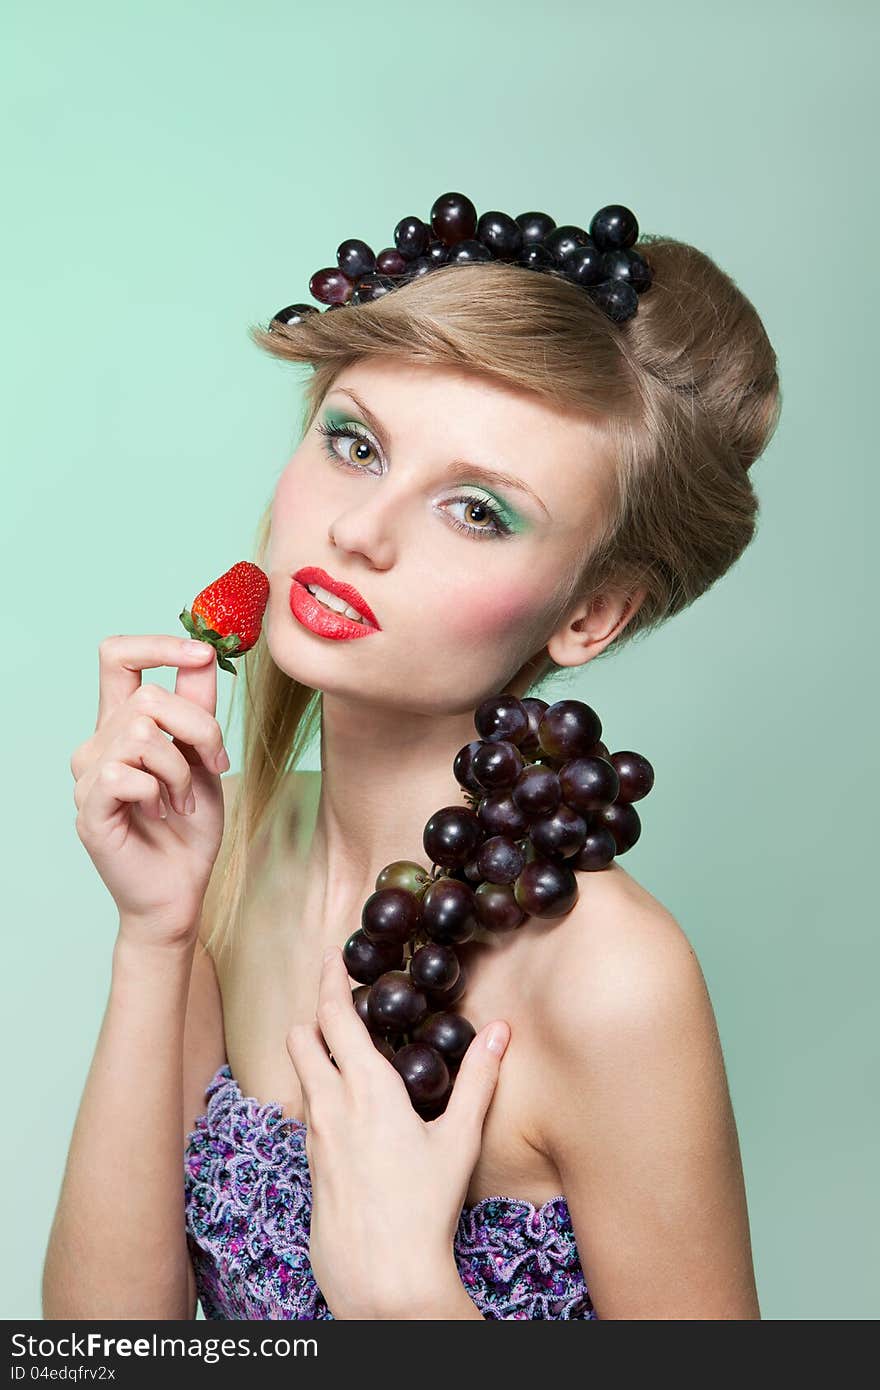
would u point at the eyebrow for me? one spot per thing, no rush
(460, 469)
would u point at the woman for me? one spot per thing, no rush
(594, 1151)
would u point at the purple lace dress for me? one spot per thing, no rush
(248, 1210)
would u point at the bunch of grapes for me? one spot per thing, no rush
(544, 798)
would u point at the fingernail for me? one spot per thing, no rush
(498, 1038)
(198, 649)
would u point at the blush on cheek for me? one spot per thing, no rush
(489, 613)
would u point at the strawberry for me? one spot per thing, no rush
(229, 612)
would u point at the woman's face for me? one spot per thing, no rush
(464, 574)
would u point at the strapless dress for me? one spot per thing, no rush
(248, 1212)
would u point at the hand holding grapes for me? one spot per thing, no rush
(387, 1186)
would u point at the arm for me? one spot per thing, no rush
(117, 1248)
(640, 1125)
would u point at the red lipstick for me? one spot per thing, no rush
(313, 614)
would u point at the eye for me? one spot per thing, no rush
(350, 431)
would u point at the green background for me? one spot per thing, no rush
(175, 173)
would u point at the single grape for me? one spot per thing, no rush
(445, 998)
(451, 836)
(366, 960)
(535, 709)
(390, 914)
(562, 833)
(497, 907)
(496, 766)
(546, 889)
(404, 873)
(569, 729)
(451, 1034)
(500, 860)
(598, 850)
(537, 791)
(396, 1003)
(360, 995)
(635, 773)
(425, 1074)
(499, 814)
(330, 286)
(434, 966)
(624, 823)
(502, 717)
(453, 218)
(588, 784)
(462, 767)
(448, 912)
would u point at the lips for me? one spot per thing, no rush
(316, 616)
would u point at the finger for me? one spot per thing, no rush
(197, 683)
(142, 743)
(342, 1027)
(316, 1073)
(197, 736)
(477, 1077)
(115, 785)
(122, 658)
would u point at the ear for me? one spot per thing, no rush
(592, 625)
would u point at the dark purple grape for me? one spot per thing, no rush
(588, 784)
(563, 832)
(445, 998)
(395, 1003)
(563, 240)
(370, 287)
(497, 907)
(600, 750)
(448, 912)
(499, 814)
(496, 766)
(390, 262)
(614, 227)
(451, 836)
(434, 966)
(330, 286)
(411, 236)
(500, 860)
(404, 873)
(451, 1034)
(598, 850)
(624, 823)
(537, 791)
(355, 258)
(585, 265)
(433, 1111)
(499, 232)
(390, 914)
(292, 315)
(569, 729)
(534, 708)
(453, 218)
(537, 257)
(502, 717)
(635, 773)
(535, 226)
(366, 960)
(546, 889)
(360, 995)
(383, 1045)
(462, 769)
(471, 871)
(424, 1072)
(469, 251)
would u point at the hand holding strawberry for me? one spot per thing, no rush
(229, 612)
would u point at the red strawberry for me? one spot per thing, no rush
(229, 612)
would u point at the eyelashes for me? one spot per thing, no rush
(330, 433)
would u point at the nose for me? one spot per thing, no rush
(367, 529)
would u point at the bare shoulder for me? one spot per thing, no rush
(636, 1115)
(618, 957)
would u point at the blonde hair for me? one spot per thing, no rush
(685, 393)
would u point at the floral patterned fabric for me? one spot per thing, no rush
(248, 1212)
